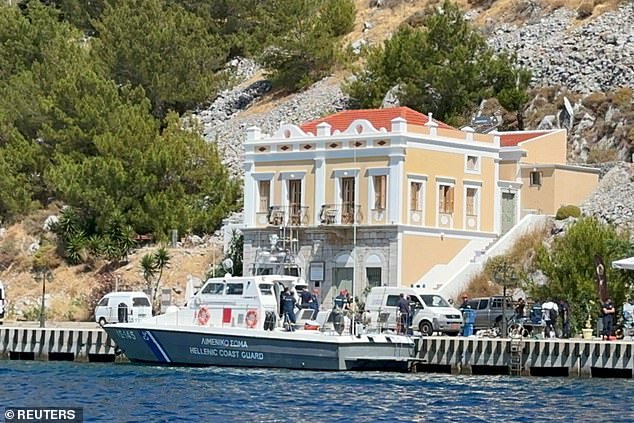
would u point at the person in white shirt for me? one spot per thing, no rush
(550, 311)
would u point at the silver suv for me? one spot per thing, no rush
(488, 311)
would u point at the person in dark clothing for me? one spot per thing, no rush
(564, 311)
(465, 302)
(608, 319)
(314, 300)
(340, 301)
(305, 297)
(519, 308)
(288, 306)
(405, 310)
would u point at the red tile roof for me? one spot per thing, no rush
(511, 139)
(379, 118)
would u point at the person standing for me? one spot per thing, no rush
(340, 300)
(404, 310)
(288, 307)
(608, 319)
(549, 314)
(564, 310)
(465, 302)
(314, 300)
(519, 308)
(305, 297)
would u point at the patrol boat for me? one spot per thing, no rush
(233, 321)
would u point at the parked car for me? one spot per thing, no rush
(488, 311)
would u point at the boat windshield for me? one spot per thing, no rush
(434, 301)
(266, 288)
(235, 288)
(214, 288)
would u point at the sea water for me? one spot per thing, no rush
(126, 392)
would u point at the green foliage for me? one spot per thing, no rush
(80, 240)
(235, 253)
(304, 36)
(570, 268)
(444, 67)
(567, 211)
(151, 264)
(164, 49)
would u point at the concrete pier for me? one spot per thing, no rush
(545, 357)
(84, 344)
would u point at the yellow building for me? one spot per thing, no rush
(379, 197)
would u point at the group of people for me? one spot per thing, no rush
(302, 299)
(553, 311)
(344, 302)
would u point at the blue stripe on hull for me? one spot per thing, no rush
(155, 346)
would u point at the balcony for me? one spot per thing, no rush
(284, 216)
(340, 214)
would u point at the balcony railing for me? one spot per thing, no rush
(292, 215)
(340, 214)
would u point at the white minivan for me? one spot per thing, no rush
(121, 307)
(431, 312)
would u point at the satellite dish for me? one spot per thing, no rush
(227, 265)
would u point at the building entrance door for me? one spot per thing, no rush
(508, 211)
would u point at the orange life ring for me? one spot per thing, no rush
(251, 318)
(203, 316)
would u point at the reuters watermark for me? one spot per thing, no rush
(43, 414)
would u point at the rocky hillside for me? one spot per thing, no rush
(582, 63)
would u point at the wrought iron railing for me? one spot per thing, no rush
(340, 214)
(293, 215)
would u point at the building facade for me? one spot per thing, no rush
(365, 198)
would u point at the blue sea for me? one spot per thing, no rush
(126, 392)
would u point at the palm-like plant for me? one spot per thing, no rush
(151, 264)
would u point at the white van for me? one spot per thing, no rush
(120, 307)
(431, 311)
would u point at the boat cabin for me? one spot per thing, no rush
(242, 301)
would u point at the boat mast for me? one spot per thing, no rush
(354, 240)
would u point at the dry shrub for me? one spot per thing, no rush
(524, 248)
(557, 4)
(602, 155)
(585, 9)
(9, 252)
(594, 101)
(622, 97)
(481, 286)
